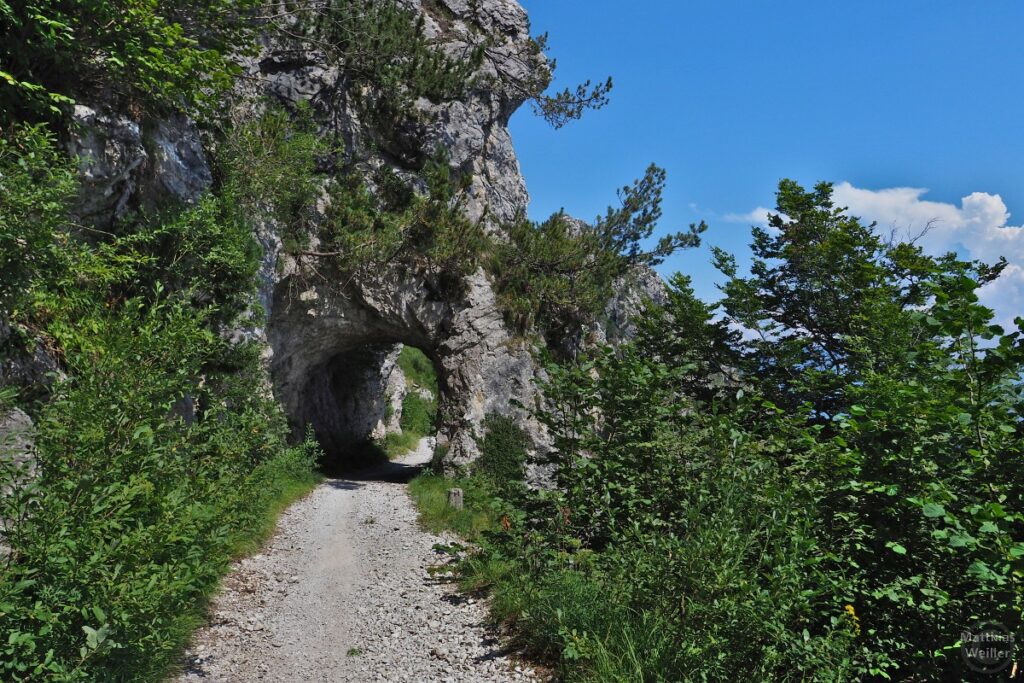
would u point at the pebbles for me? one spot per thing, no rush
(334, 598)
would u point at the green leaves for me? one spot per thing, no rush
(56, 51)
(874, 423)
(110, 552)
(557, 276)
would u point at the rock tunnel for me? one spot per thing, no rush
(353, 400)
(333, 360)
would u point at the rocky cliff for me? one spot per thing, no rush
(328, 341)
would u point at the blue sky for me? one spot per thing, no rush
(887, 99)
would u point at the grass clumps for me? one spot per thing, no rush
(397, 444)
(418, 369)
(478, 515)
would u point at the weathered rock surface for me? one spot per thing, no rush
(319, 335)
(633, 291)
(126, 165)
(17, 450)
(328, 340)
(328, 343)
(321, 332)
(395, 389)
(25, 364)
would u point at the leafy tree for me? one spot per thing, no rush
(844, 474)
(558, 275)
(685, 333)
(167, 53)
(912, 400)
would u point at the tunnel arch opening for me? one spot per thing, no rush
(371, 402)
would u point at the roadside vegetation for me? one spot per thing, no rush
(159, 454)
(832, 495)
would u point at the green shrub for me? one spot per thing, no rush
(831, 499)
(165, 53)
(503, 451)
(428, 232)
(135, 512)
(674, 548)
(36, 186)
(269, 165)
(401, 65)
(159, 454)
(206, 254)
(418, 415)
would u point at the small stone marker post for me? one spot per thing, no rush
(455, 498)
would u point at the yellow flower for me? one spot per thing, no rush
(853, 618)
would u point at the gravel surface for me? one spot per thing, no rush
(342, 592)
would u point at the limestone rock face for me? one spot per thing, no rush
(319, 330)
(29, 366)
(126, 165)
(473, 130)
(632, 293)
(16, 446)
(395, 389)
(330, 341)
(331, 347)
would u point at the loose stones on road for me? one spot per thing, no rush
(344, 592)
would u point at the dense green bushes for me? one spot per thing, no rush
(167, 53)
(159, 454)
(503, 452)
(833, 495)
(135, 513)
(36, 182)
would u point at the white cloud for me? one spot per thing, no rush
(758, 216)
(978, 228)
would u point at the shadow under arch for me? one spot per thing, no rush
(346, 400)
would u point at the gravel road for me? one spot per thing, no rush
(342, 592)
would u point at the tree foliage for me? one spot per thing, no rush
(168, 53)
(560, 108)
(558, 275)
(831, 493)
